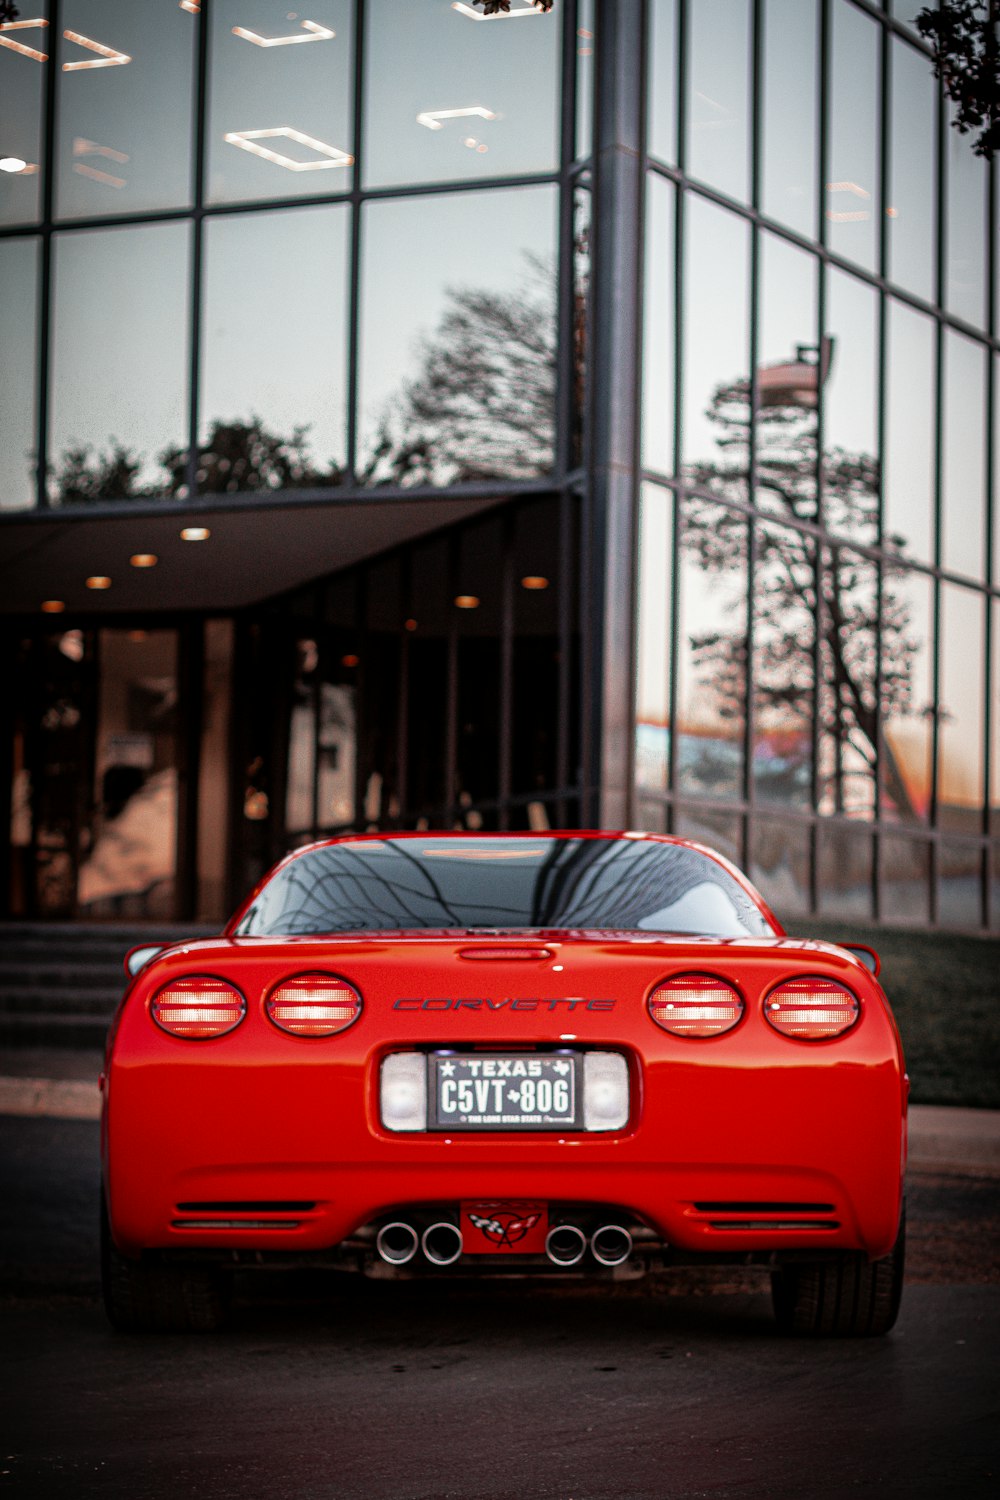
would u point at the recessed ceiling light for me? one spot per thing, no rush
(12, 164)
(314, 32)
(195, 534)
(534, 581)
(144, 559)
(466, 601)
(35, 25)
(52, 606)
(99, 581)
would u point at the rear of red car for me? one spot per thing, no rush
(572, 1100)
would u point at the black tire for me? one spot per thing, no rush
(849, 1297)
(140, 1298)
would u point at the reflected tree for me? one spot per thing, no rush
(482, 404)
(839, 594)
(235, 457)
(245, 456)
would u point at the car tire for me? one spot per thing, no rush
(849, 1297)
(140, 1298)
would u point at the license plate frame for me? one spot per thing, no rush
(484, 1105)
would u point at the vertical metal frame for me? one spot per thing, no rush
(45, 277)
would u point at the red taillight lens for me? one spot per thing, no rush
(198, 1007)
(695, 1005)
(313, 1005)
(811, 1009)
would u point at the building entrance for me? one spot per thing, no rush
(95, 789)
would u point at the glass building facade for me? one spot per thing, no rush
(593, 415)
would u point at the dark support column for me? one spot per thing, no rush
(614, 410)
(191, 687)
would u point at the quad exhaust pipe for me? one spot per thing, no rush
(611, 1245)
(397, 1243)
(442, 1244)
(565, 1244)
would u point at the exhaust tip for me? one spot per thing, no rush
(442, 1244)
(397, 1243)
(565, 1244)
(611, 1244)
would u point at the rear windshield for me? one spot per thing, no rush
(387, 885)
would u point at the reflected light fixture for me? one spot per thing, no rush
(350, 660)
(6, 40)
(432, 117)
(331, 156)
(108, 57)
(12, 164)
(848, 216)
(52, 606)
(409, 624)
(98, 581)
(83, 147)
(510, 15)
(193, 7)
(466, 601)
(316, 33)
(195, 534)
(144, 559)
(534, 581)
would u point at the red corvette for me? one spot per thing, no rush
(569, 1054)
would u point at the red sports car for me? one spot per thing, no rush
(566, 1054)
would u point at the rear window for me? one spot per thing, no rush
(519, 884)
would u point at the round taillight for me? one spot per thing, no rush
(313, 1005)
(198, 1007)
(811, 1009)
(695, 1005)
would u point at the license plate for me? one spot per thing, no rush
(505, 1091)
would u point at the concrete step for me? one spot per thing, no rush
(61, 1001)
(27, 978)
(44, 1029)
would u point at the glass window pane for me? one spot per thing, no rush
(585, 15)
(280, 101)
(303, 654)
(658, 328)
(844, 871)
(780, 864)
(910, 210)
(716, 347)
(718, 94)
(717, 830)
(907, 694)
(784, 596)
(126, 91)
(788, 159)
(960, 711)
(909, 468)
(905, 881)
(652, 732)
(966, 175)
(119, 363)
(963, 498)
(711, 651)
(996, 469)
(789, 372)
(22, 84)
(273, 392)
(960, 884)
(458, 349)
(451, 94)
(662, 48)
(850, 410)
(18, 371)
(852, 187)
(848, 656)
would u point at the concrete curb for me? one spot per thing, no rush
(944, 1139)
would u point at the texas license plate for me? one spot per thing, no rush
(505, 1091)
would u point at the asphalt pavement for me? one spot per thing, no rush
(330, 1389)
